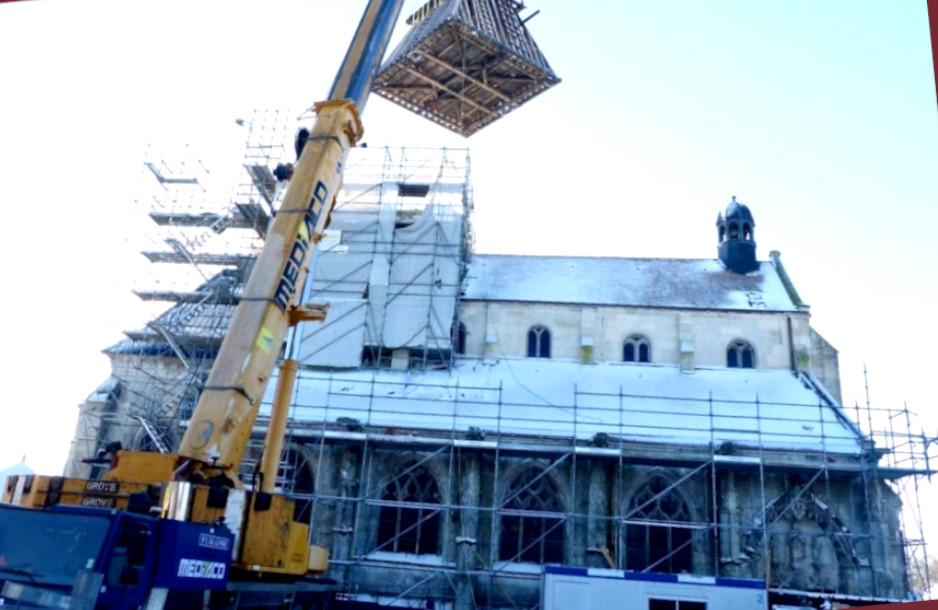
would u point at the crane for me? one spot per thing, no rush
(180, 529)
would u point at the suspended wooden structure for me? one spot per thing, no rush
(465, 63)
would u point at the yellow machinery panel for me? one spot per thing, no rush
(272, 540)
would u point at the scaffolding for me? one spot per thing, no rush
(705, 485)
(398, 240)
(722, 507)
(202, 237)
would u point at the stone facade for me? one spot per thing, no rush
(821, 535)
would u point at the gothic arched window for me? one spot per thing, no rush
(406, 524)
(539, 342)
(740, 355)
(655, 541)
(636, 349)
(459, 339)
(532, 520)
(296, 478)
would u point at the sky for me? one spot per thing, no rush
(821, 116)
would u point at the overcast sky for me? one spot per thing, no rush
(821, 116)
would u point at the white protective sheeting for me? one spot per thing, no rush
(402, 258)
(424, 281)
(338, 340)
(645, 403)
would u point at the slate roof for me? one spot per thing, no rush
(636, 282)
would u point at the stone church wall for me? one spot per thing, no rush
(824, 533)
(709, 332)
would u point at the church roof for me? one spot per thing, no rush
(635, 282)
(562, 399)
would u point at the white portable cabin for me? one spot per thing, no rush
(568, 588)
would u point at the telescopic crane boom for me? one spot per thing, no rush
(199, 482)
(180, 528)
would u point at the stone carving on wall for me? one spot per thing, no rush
(808, 544)
(803, 557)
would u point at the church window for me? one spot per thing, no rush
(734, 230)
(636, 349)
(459, 339)
(532, 520)
(539, 342)
(408, 521)
(656, 537)
(747, 231)
(740, 355)
(296, 477)
(722, 233)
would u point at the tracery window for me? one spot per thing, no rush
(408, 521)
(539, 342)
(740, 355)
(636, 349)
(655, 540)
(532, 520)
(296, 477)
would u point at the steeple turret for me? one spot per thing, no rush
(736, 234)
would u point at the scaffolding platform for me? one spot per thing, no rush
(241, 216)
(465, 63)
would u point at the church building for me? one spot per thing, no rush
(466, 424)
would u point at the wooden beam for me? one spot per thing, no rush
(455, 94)
(475, 81)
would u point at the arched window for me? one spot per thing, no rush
(747, 231)
(539, 342)
(532, 520)
(722, 233)
(296, 478)
(734, 230)
(459, 339)
(636, 349)
(660, 544)
(740, 355)
(406, 524)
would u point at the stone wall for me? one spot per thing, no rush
(824, 533)
(708, 333)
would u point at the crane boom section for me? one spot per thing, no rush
(353, 80)
(221, 426)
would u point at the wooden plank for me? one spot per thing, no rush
(443, 87)
(452, 68)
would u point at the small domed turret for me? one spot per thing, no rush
(737, 242)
